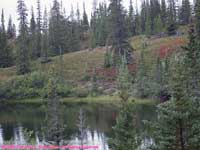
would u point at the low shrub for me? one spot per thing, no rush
(108, 59)
(27, 86)
(33, 80)
(86, 78)
(35, 85)
(22, 93)
(81, 92)
(124, 95)
(5, 91)
(64, 90)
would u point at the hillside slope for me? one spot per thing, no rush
(77, 64)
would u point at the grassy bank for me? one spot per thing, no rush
(76, 64)
(77, 70)
(87, 100)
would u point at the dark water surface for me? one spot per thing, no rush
(17, 122)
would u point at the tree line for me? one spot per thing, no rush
(53, 31)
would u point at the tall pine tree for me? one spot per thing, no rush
(185, 12)
(163, 12)
(10, 30)
(5, 49)
(74, 32)
(131, 20)
(144, 16)
(197, 16)
(192, 65)
(39, 27)
(85, 22)
(118, 33)
(57, 30)
(171, 11)
(23, 54)
(99, 30)
(125, 135)
(177, 127)
(45, 37)
(33, 36)
(137, 20)
(142, 84)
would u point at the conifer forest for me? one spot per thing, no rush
(100, 74)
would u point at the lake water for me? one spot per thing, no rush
(17, 122)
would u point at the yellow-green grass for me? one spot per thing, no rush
(76, 64)
(115, 100)
(152, 43)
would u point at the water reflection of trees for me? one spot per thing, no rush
(1, 136)
(100, 119)
(125, 133)
(82, 134)
(54, 116)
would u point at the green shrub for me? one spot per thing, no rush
(64, 90)
(34, 85)
(27, 86)
(94, 90)
(37, 80)
(81, 92)
(108, 59)
(86, 77)
(124, 95)
(5, 91)
(22, 93)
(33, 80)
(100, 90)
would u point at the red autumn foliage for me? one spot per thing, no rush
(168, 48)
(132, 68)
(163, 51)
(107, 72)
(110, 73)
(104, 72)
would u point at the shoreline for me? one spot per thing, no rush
(88, 100)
